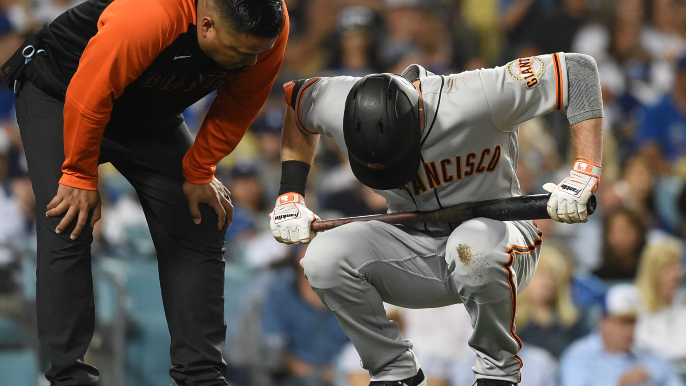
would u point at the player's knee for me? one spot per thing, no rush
(322, 261)
(328, 257)
(475, 248)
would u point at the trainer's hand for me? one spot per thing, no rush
(291, 220)
(76, 203)
(568, 200)
(215, 194)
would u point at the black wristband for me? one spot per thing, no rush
(294, 177)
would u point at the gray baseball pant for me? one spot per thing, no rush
(483, 264)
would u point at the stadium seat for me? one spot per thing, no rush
(10, 333)
(18, 368)
(147, 351)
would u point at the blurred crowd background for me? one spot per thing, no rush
(278, 332)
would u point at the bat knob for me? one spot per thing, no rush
(592, 204)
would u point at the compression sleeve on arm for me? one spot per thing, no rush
(585, 98)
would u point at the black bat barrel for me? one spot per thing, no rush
(533, 207)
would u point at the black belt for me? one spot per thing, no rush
(30, 62)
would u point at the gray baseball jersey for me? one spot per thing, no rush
(469, 152)
(469, 144)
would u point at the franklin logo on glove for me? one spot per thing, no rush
(281, 217)
(570, 188)
(291, 220)
(568, 199)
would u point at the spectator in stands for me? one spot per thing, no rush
(662, 132)
(12, 225)
(248, 201)
(354, 48)
(440, 338)
(519, 20)
(662, 325)
(636, 186)
(401, 18)
(351, 366)
(267, 130)
(296, 322)
(623, 240)
(566, 21)
(546, 315)
(606, 357)
(434, 39)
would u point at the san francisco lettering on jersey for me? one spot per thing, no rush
(445, 171)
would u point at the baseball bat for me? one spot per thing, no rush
(532, 207)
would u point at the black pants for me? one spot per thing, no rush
(190, 257)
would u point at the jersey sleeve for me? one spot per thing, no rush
(525, 88)
(320, 105)
(234, 108)
(120, 51)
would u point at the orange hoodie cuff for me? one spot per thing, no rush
(198, 178)
(85, 183)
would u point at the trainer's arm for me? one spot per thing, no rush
(122, 48)
(233, 110)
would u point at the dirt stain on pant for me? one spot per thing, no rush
(466, 254)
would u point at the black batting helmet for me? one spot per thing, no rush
(382, 131)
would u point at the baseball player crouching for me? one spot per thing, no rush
(425, 142)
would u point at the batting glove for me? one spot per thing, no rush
(291, 220)
(568, 200)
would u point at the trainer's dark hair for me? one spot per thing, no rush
(260, 18)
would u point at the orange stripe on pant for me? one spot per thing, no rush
(513, 288)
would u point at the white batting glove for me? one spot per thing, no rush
(568, 200)
(291, 220)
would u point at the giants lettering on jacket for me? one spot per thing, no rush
(450, 170)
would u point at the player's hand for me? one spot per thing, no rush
(215, 194)
(568, 199)
(77, 203)
(635, 376)
(291, 220)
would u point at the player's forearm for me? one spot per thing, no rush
(588, 140)
(297, 155)
(296, 145)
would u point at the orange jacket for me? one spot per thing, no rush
(138, 56)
